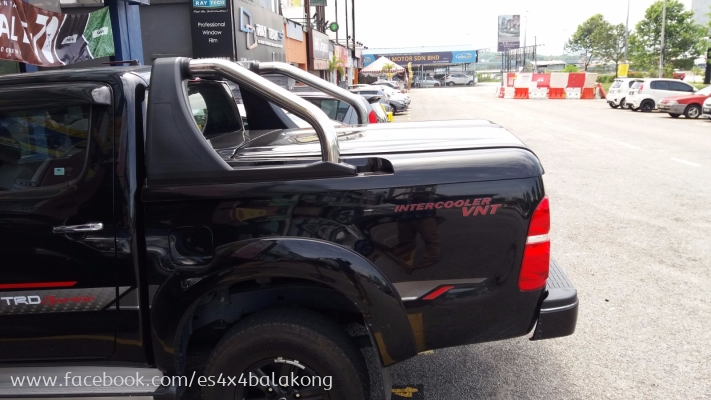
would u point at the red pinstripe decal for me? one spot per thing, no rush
(36, 285)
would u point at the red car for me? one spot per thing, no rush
(679, 75)
(688, 104)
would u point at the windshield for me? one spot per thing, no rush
(705, 91)
(636, 85)
(616, 84)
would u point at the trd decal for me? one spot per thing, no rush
(52, 301)
(469, 207)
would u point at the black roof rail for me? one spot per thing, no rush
(129, 62)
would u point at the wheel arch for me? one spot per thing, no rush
(243, 267)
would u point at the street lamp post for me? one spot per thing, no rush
(627, 29)
(525, 33)
(661, 48)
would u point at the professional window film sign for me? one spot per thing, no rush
(509, 32)
(259, 33)
(34, 36)
(211, 29)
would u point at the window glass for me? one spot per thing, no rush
(214, 108)
(616, 85)
(342, 110)
(659, 85)
(680, 87)
(330, 107)
(43, 146)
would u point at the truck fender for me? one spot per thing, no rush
(319, 261)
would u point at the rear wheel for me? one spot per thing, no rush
(613, 105)
(623, 103)
(450, 83)
(674, 115)
(647, 106)
(470, 83)
(693, 111)
(287, 343)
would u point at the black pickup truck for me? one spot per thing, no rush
(140, 224)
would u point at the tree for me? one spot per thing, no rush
(684, 39)
(336, 64)
(570, 68)
(589, 40)
(613, 44)
(388, 69)
(697, 72)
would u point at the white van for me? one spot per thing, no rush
(618, 92)
(646, 94)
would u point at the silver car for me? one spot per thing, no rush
(427, 81)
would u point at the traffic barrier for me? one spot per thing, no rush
(523, 80)
(572, 93)
(542, 80)
(538, 94)
(603, 95)
(509, 93)
(559, 80)
(587, 93)
(556, 93)
(576, 80)
(521, 93)
(590, 80)
(500, 92)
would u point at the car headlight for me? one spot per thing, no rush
(672, 102)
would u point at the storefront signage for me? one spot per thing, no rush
(318, 51)
(294, 31)
(209, 3)
(40, 37)
(427, 58)
(211, 29)
(259, 33)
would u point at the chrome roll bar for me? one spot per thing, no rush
(302, 76)
(283, 98)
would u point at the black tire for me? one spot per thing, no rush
(647, 106)
(693, 111)
(674, 115)
(450, 83)
(288, 334)
(613, 105)
(470, 83)
(623, 103)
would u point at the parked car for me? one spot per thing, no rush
(690, 105)
(399, 104)
(390, 84)
(427, 81)
(619, 90)
(143, 238)
(706, 108)
(459, 79)
(341, 111)
(396, 94)
(646, 94)
(678, 74)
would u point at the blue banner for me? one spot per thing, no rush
(425, 58)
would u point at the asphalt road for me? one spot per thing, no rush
(631, 225)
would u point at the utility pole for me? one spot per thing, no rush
(661, 48)
(627, 29)
(525, 33)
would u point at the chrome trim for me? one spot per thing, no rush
(283, 98)
(90, 227)
(538, 239)
(561, 308)
(316, 82)
(415, 289)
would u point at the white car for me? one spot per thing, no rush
(395, 94)
(646, 94)
(459, 79)
(616, 96)
(706, 108)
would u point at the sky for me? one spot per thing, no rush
(402, 23)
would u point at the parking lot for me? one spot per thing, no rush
(630, 224)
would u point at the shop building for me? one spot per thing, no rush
(429, 60)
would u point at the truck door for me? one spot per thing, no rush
(57, 244)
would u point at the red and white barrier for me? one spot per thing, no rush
(556, 85)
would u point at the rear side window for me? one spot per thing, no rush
(659, 85)
(42, 146)
(616, 85)
(681, 87)
(214, 108)
(636, 85)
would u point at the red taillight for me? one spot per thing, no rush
(372, 118)
(537, 254)
(641, 86)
